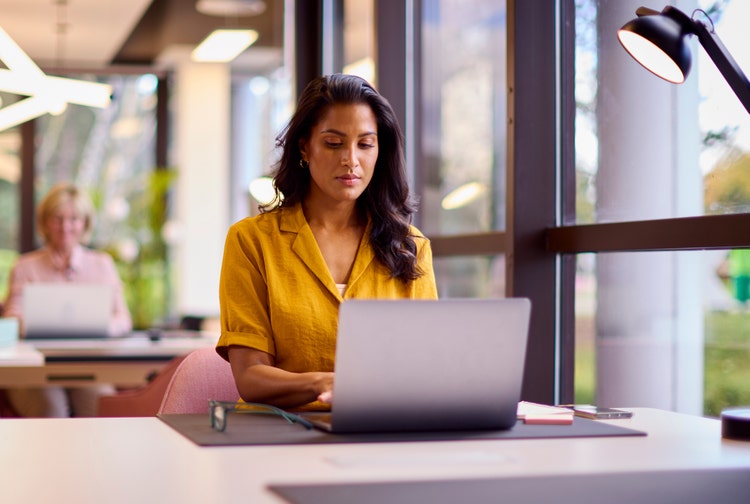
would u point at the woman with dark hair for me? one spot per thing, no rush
(338, 228)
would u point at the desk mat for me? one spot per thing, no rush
(727, 486)
(247, 429)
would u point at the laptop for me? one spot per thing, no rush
(427, 365)
(66, 310)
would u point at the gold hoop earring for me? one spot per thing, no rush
(303, 164)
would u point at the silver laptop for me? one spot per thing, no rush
(417, 365)
(66, 310)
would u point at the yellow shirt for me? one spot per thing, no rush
(278, 296)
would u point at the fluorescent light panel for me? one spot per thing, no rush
(224, 45)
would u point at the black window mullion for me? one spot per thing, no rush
(532, 160)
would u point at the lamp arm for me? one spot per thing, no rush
(724, 62)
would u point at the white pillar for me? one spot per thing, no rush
(201, 146)
(649, 312)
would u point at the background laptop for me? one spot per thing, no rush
(406, 365)
(66, 310)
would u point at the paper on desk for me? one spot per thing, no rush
(534, 413)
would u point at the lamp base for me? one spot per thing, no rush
(735, 424)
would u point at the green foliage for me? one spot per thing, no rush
(585, 375)
(585, 211)
(727, 361)
(727, 186)
(7, 258)
(145, 276)
(9, 206)
(726, 364)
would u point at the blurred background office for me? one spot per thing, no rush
(64, 218)
(527, 128)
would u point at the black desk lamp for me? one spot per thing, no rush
(657, 40)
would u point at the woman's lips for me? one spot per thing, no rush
(348, 180)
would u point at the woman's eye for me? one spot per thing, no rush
(333, 145)
(366, 146)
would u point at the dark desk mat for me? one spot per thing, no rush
(725, 486)
(248, 429)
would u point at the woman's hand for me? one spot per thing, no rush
(326, 397)
(259, 380)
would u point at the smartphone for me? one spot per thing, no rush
(599, 413)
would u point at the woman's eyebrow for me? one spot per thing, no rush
(341, 133)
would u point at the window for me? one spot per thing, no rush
(112, 154)
(10, 178)
(463, 137)
(658, 167)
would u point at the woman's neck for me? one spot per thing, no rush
(339, 216)
(61, 256)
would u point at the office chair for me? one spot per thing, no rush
(142, 401)
(202, 376)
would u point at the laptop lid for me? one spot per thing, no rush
(66, 310)
(452, 364)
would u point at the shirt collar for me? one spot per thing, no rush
(293, 220)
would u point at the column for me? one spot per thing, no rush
(201, 104)
(649, 314)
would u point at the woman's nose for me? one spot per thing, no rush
(349, 157)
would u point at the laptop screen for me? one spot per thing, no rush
(66, 310)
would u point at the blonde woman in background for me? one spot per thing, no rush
(64, 220)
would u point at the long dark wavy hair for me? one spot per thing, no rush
(386, 200)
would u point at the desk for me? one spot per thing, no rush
(126, 362)
(125, 460)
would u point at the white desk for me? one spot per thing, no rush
(126, 362)
(125, 460)
(20, 354)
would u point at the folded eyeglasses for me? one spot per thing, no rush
(218, 411)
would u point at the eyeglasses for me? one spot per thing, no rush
(218, 411)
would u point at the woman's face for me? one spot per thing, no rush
(65, 227)
(341, 153)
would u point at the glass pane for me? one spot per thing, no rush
(10, 176)
(262, 101)
(585, 331)
(463, 116)
(470, 276)
(359, 39)
(649, 149)
(111, 153)
(664, 329)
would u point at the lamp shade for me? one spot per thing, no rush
(658, 42)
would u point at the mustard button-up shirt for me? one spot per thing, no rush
(278, 296)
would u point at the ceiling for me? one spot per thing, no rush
(102, 33)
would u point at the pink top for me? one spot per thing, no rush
(86, 266)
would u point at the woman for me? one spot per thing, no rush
(339, 228)
(64, 220)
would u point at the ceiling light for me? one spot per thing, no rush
(224, 45)
(230, 7)
(90, 94)
(463, 195)
(45, 94)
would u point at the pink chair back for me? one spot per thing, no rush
(203, 375)
(142, 401)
